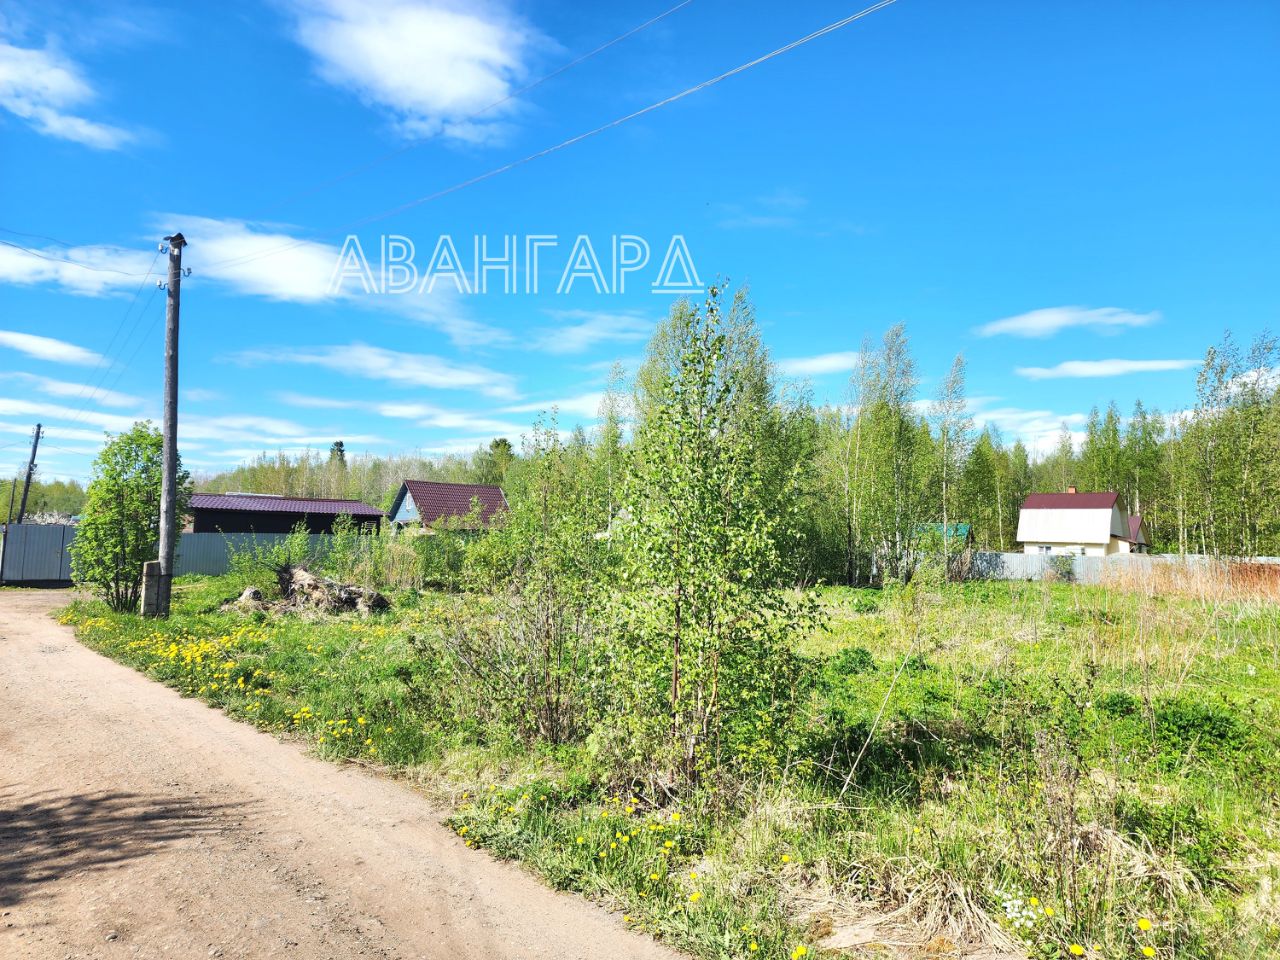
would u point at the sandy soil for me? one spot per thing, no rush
(135, 823)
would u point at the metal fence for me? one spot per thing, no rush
(37, 553)
(1033, 566)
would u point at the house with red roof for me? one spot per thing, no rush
(1079, 524)
(427, 503)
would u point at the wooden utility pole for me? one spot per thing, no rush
(31, 469)
(13, 488)
(169, 479)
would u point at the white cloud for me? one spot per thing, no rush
(55, 432)
(580, 330)
(76, 391)
(46, 412)
(433, 64)
(842, 362)
(377, 363)
(252, 259)
(111, 269)
(1037, 429)
(41, 86)
(426, 415)
(583, 405)
(201, 395)
(1050, 320)
(1102, 368)
(47, 348)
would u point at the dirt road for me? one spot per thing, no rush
(138, 824)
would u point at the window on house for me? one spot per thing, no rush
(1045, 549)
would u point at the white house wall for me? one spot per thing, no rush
(1067, 526)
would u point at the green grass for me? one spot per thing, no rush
(1029, 764)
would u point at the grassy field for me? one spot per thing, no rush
(1050, 770)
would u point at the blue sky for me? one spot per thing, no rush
(1078, 197)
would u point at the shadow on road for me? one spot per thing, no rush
(48, 836)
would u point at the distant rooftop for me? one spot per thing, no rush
(436, 500)
(277, 503)
(1070, 501)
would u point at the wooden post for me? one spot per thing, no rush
(169, 479)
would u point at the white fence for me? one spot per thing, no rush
(1033, 566)
(37, 553)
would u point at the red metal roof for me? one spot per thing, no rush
(1069, 501)
(263, 503)
(1135, 524)
(435, 500)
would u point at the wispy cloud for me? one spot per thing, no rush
(1037, 429)
(42, 87)
(47, 348)
(424, 414)
(378, 363)
(251, 259)
(1102, 368)
(432, 65)
(778, 209)
(583, 405)
(580, 330)
(1050, 320)
(76, 391)
(822, 363)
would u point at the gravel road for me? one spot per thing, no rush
(135, 823)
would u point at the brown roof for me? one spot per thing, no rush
(1135, 524)
(1068, 501)
(265, 503)
(436, 500)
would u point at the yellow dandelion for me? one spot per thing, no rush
(695, 896)
(786, 858)
(1076, 950)
(653, 876)
(1144, 924)
(1034, 901)
(675, 816)
(1048, 911)
(753, 946)
(1148, 951)
(579, 840)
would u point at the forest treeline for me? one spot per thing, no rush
(871, 479)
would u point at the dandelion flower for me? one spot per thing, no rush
(676, 816)
(1048, 911)
(786, 858)
(1144, 924)
(1148, 951)
(580, 840)
(653, 876)
(1076, 950)
(1034, 901)
(753, 946)
(695, 896)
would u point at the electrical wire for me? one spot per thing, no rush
(74, 263)
(102, 369)
(496, 171)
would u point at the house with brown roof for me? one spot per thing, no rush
(427, 503)
(1079, 524)
(271, 513)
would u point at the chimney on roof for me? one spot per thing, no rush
(1071, 489)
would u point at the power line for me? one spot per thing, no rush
(102, 369)
(74, 263)
(521, 91)
(496, 171)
